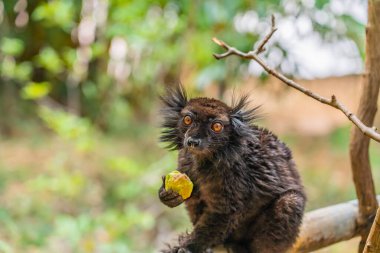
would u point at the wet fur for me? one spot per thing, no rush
(247, 192)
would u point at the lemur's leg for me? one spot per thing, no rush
(277, 228)
(210, 230)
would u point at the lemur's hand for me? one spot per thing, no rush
(170, 197)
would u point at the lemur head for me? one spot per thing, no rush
(203, 125)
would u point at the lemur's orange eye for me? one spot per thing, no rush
(217, 127)
(187, 120)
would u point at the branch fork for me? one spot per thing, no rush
(369, 131)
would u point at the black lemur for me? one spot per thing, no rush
(247, 192)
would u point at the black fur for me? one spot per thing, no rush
(247, 192)
(174, 100)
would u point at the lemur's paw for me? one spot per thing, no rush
(170, 197)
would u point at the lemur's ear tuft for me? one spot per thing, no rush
(241, 116)
(174, 101)
(175, 98)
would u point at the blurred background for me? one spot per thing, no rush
(80, 162)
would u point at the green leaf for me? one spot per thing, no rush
(12, 46)
(36, 90)
(98, 49)
(69, 57)
(55, 13)
(23, 71)
(8, 67)
(50, 60)
(319, 4)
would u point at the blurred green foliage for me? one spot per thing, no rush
(70, 127)
(59, 197)
(67, 198)
(105, 58)
(35, 90)
(12, 47)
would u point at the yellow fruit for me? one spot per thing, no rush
(179, 183)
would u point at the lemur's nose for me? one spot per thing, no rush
(191, 142)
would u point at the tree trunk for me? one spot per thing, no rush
(373, 242)
(360, 165)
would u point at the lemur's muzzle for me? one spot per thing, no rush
(193, 142)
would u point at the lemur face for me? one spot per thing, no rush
(203, 125)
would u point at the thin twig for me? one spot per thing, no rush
(333, 101)
(273, 29)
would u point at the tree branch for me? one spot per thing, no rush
(326, 226)
(273, 29)
(329, 225)
(333, 101)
